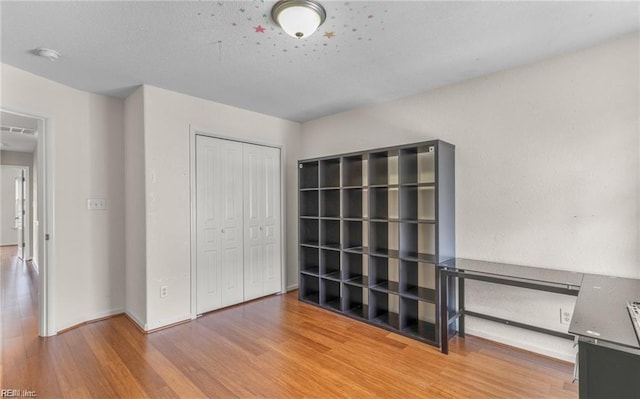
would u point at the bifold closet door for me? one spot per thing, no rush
(219, 215)
(261, 221)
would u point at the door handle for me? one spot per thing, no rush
(222, 231)
(261, 228)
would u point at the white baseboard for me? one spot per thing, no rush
(93, 318)
(167, 322)
(567, 357)
(136, 320)
(292, 287)
(106, 313)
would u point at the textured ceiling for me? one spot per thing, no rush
(233, 53)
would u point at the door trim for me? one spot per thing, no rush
(195, 131)
(46, 184)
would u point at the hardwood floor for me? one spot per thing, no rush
(275, 347)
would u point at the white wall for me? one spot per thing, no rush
(135, 210)
(88, 163)
(167, 120)
(547, 171)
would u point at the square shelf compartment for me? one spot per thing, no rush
(417, 319)
(384, 309)
(426, 206)
(383, 274)
(309, 232)
(330, 203)
(383, 238)
(309, 288)
(310, 260)
(417, 241)
(308, 175)
(418, 203)
(354, 268)
(417, 280)
(384, 203)
(352, 171)
(330, 173)
(353, 203)
(378, 169)
(331, 294)
(330, 233)
(354, 234)
(426, 164)
(356, 301)
(309, 203)
(408, 166)
(330, 264)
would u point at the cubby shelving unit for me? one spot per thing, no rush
(372, 227)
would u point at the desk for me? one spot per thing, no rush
(608, 350)
(550, 280)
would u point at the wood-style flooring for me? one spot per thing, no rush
(276, 347)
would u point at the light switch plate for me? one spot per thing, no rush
(96, 204)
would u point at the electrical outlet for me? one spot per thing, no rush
(565, 316)
(164, 291)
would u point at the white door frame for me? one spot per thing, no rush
(193, 132)
(46, 262)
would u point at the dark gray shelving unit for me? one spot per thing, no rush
(372, 227)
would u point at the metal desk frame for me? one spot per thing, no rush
(447, 318)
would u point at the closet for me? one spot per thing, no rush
(238, 242)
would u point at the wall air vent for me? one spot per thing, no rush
(15, 129)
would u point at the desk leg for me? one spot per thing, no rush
(443, 279)
(461, 307)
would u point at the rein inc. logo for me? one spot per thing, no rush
(17, 393)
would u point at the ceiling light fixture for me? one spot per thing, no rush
(47, 53)
(298, 18)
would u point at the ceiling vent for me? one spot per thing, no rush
(15, 129)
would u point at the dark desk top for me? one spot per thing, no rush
(528, 273)
(601, 310)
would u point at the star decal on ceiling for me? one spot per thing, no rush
(259, 29)
(329, 34)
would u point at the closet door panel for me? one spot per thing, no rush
(253, 226)
(232, 268)
(209, 224)
(271, 221)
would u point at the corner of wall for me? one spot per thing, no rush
(135, 209)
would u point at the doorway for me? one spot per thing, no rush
(25, 145)
(15, 215)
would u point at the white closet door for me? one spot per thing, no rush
(219, 254)
(271, 234)
(232, 271)
(261, 221)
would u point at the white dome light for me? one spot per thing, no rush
(47, 53)
(298, 18)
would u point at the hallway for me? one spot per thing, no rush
(18, 318)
